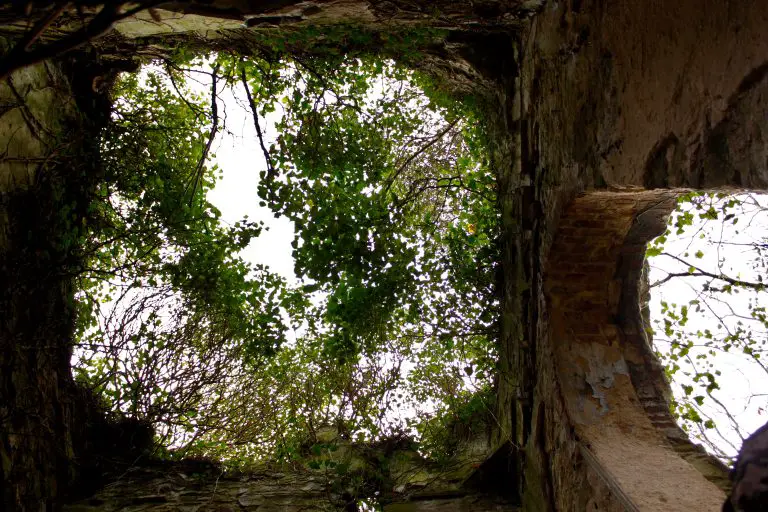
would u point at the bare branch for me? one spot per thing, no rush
(214, 130)
(418, 152)
(703, 273)
(271, 171)
(21, 56)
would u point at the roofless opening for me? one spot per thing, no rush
(376, 326)
(707, 311)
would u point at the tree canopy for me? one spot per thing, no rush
(394, 310)
(391, 324)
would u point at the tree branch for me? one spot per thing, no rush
(271, 171)
(418, 152)
(197, 111)
(21, 56)
(703, 273)
(214, 130)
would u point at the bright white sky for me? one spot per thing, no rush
(238, 154)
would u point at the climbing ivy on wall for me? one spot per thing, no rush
(386, 179)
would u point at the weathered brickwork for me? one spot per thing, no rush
(612, 386)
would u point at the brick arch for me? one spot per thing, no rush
(612, 384)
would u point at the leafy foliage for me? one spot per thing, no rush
(381, 186)
(163, 289)
(394, 310)
(712, 336)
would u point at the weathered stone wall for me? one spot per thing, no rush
(211, 19)
(180, 488)
(35, 319)
(199, 486)
(649, 93)
(49, 127)
(616, 94)
(393, 475)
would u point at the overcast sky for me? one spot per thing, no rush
(239, 155)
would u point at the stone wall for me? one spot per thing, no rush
(36, 321)
(619, 95)
(395, 477)
(652, 93)
(202, 486)
(49, 128)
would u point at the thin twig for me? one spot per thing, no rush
(703, 273)
(418, 152)
(193, 108)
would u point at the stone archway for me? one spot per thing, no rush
(612, 385)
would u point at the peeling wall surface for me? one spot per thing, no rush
(616, 418)
(599, 111)
(621, 95)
